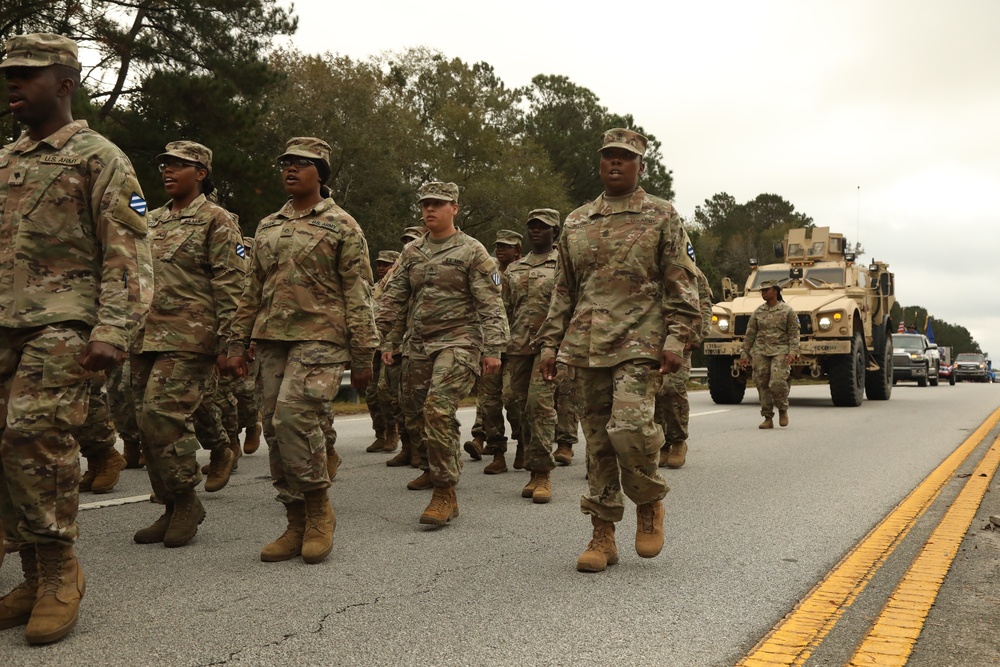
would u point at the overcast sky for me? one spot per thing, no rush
(875, 115)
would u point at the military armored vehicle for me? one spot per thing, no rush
(843, 311)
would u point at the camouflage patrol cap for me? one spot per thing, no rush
(190, 151)
(411, 234)
(387, 256)
(619, 137)
(41, 49)
(508, 237)
(310, 147)
(549, 216)
(769, 283)
(438, 190)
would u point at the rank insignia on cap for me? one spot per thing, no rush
(690, 251)
(240, 250)
(137, 204)
(496, 279)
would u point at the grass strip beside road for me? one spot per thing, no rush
(794, 638)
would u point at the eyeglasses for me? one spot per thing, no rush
(298, 163)
(174, 165)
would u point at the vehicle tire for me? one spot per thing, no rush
(933, 376)
(724, 388)
(951, 379)
(922, 382)
(847, 375)
(878, 384)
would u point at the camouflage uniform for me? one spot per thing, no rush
(625, 291)
(772, 334)
(673, 411)
(122, 403)
(79, 188)
(307, 304)
(198, 268)
(383, 404)
(442, 310)
(247, 389)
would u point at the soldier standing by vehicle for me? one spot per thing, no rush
(73, 260)
(624, 307)
(307, 303)
(197, 277)
(442, 309)
(772, 342)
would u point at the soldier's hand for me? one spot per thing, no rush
(491, 365)
(548, 369)
(98, 356)
(221, 365)
(236, 366)
(252, 351)
(670, 362)
(791, 358)
(360, 377)
(387, 359)
(743, 363)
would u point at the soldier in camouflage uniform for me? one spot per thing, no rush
(488, 436)
(198, 275)
(624, 307)
(772, 342)
(527, 289)
(307, 303)
(122, 404)
(409, 454)
(97, 439)
(247, 390)
(673, 411)
(66, 312)
(442, 310)
(381, 405)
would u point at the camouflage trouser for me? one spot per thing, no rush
(673, 411)
(44, 397)
(770, 374)
(569, 405)
(435, 386)
(171, 386)
(214, 416)
(329, 430)
(301, 379)
(536, 408)
(489, 426)
(98, 432)
(373, 397)
(623, 441)
(247, 391)
(122, 402)
(393, 377)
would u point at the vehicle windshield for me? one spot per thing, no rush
(781, 275)
(904, 342)
(967, 356)
(830, 275)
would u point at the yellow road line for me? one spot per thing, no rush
(891, 639)
(794, 638)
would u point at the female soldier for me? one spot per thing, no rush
(307, 304)
(197, 279)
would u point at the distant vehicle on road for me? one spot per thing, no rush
(915, 359)
(971, 366)
(947, 372)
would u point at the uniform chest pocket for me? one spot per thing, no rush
(640, 243)
(181, 243)
(314, 253)
(50, 202)
(449, 274)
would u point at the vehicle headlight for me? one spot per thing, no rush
(916, 356)
(982, 366)
(825, 323)
(723, 324)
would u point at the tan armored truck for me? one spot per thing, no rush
(843, 311)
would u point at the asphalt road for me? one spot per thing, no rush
(754, 520)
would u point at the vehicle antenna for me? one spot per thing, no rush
(858, 235)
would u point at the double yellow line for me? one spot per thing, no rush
(891, 639)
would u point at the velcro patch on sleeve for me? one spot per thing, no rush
(137, 203)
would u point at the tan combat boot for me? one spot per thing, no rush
(519, 457)
(220, 469)
(782, 417)
(332, 463)
(442, 508)
(317, 539)
(404, 455)
(87, 478)
(378, 445)
(234, 447)
(16, 606)
(289, 545)
(767, 423)
(252, 442)
(649, 529)
(391, 439)
(60, 589)
(499, 465)
(107, 466)
(529, 488)
(133, 454)
(543, 487)
(602, 550)
(421, 483)
(157, 531)
(664, 453)
(475, 449)
(676, 455)
(188, 513)
(563, 455)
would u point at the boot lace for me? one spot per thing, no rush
(49, 577)
(646, 518)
